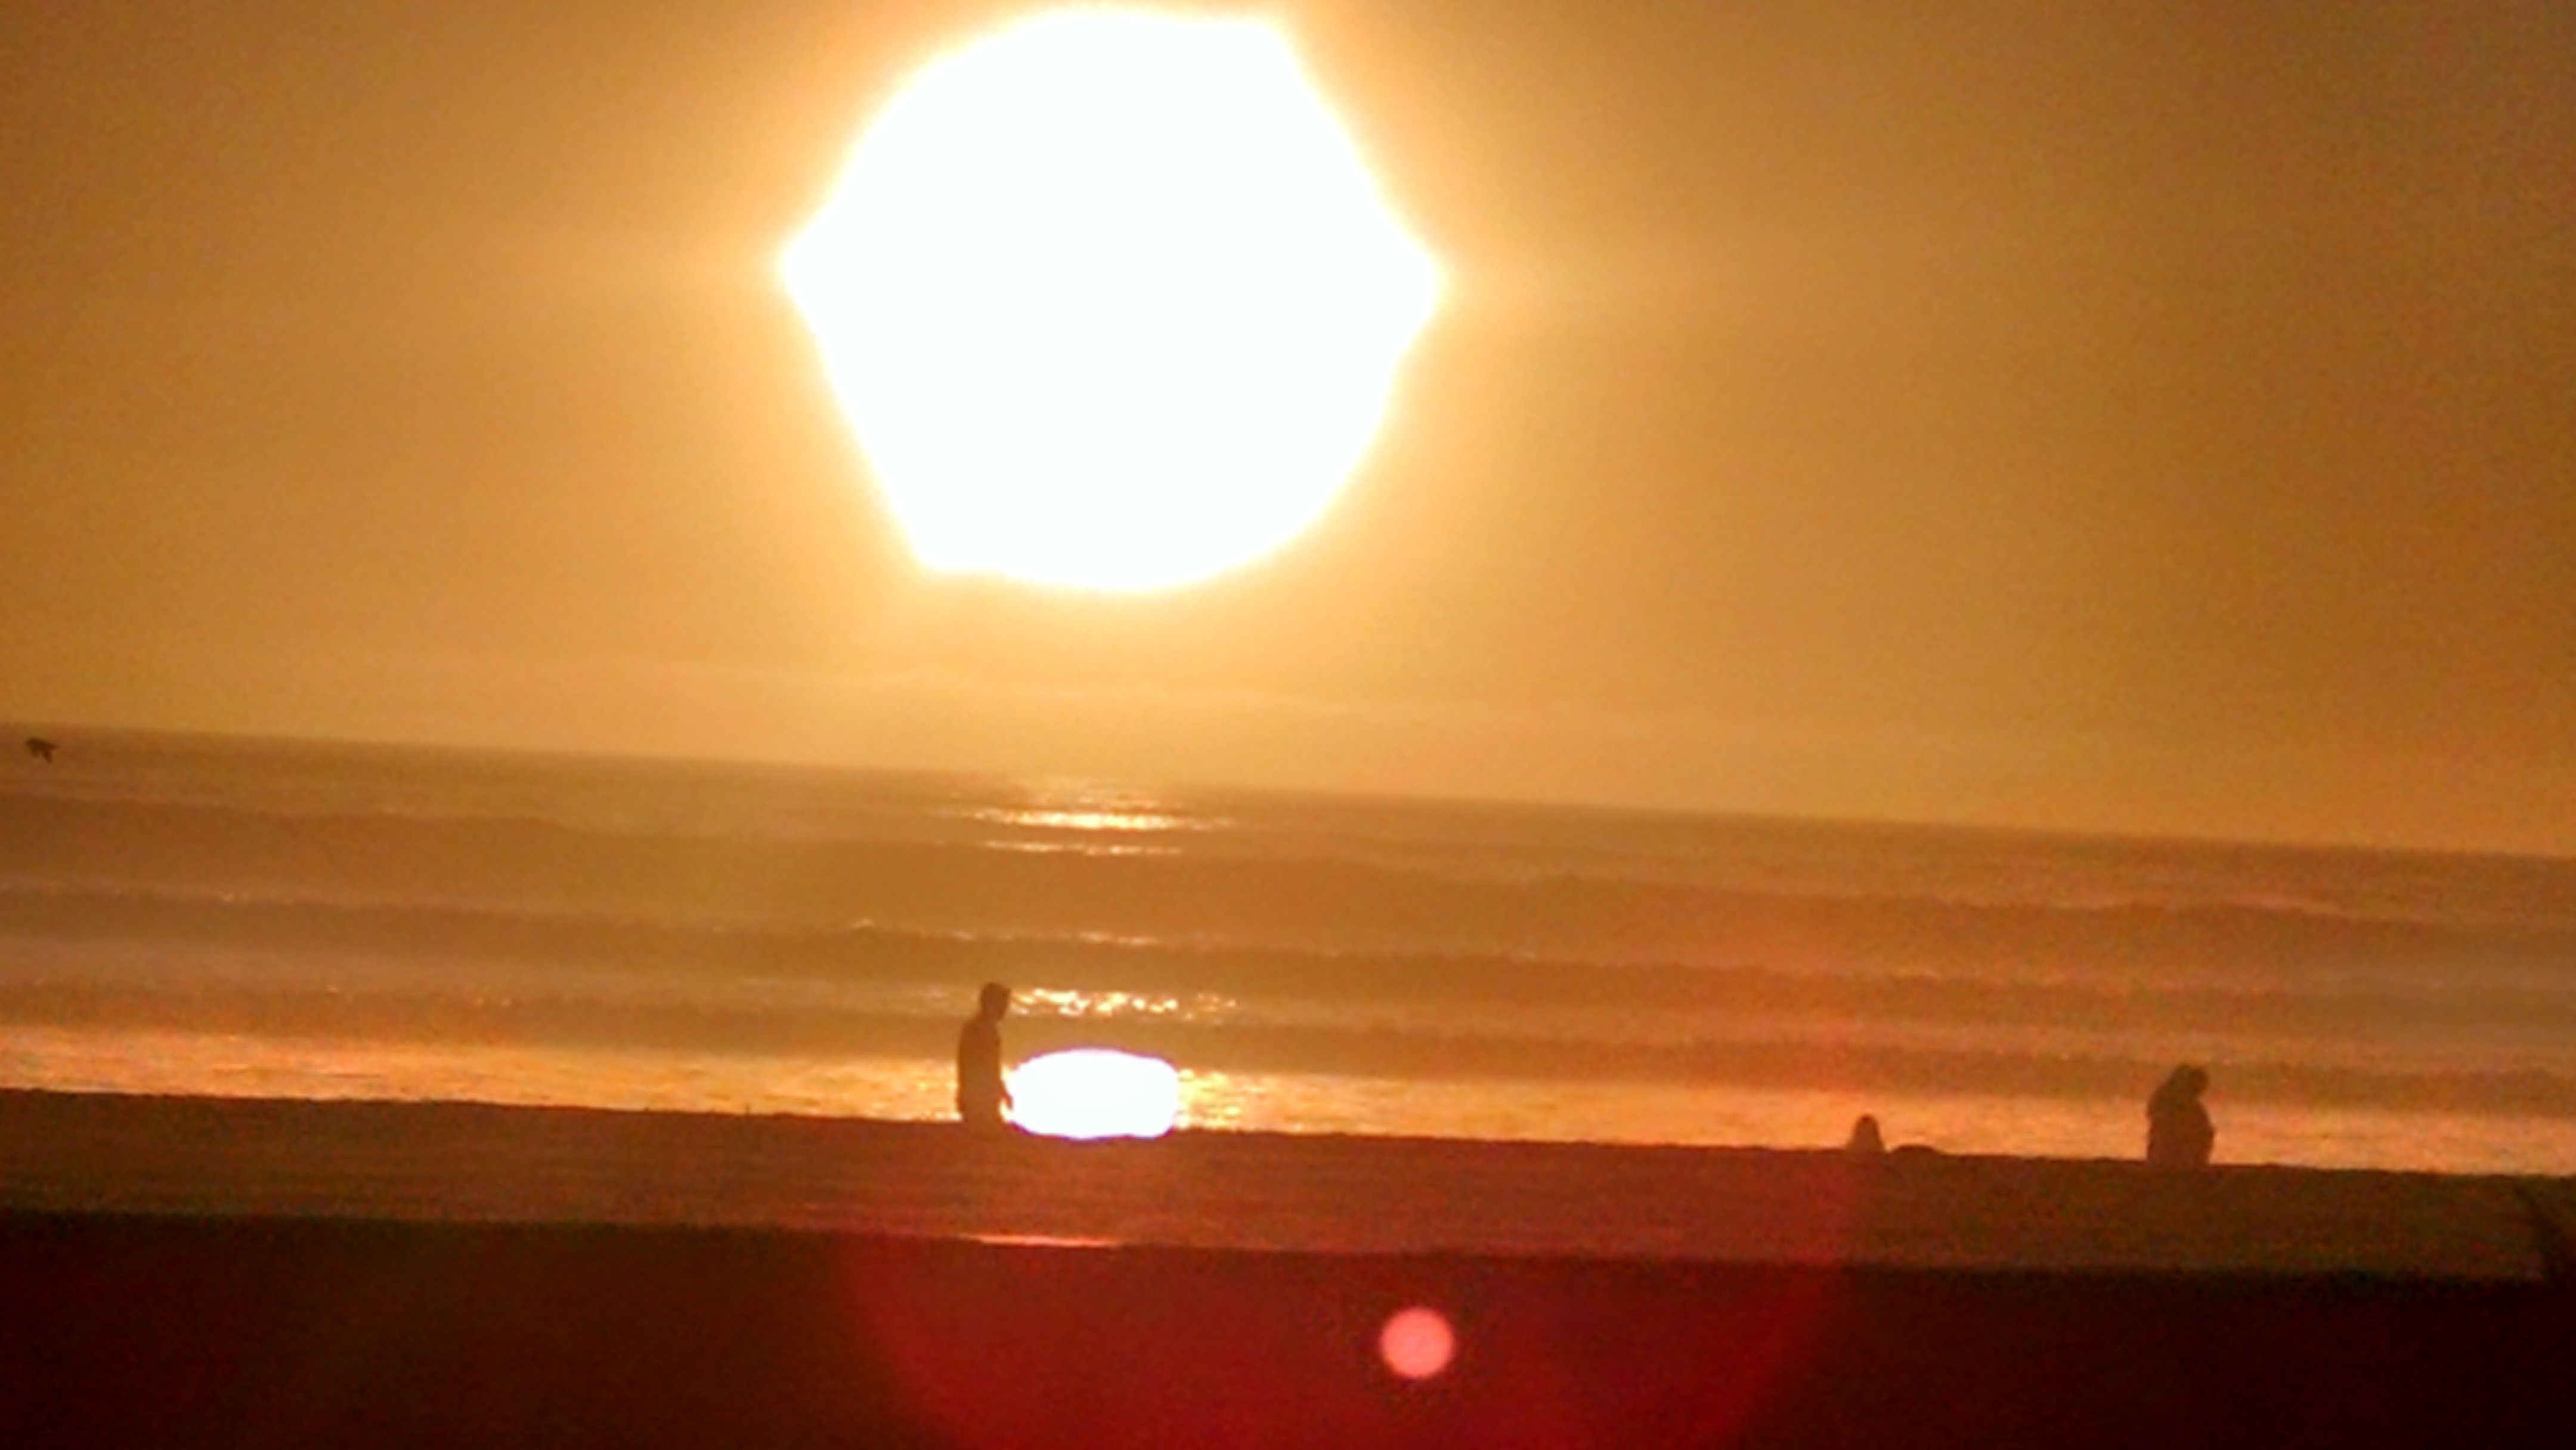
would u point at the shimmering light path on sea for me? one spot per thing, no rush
(912, 1089)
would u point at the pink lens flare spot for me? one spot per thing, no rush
(1417, 1343)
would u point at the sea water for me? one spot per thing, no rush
(261, 918)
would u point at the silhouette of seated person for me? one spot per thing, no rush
(981, 1095)
(2179, 1133)
(1866, 1141)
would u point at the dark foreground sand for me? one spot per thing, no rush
(201, 1272)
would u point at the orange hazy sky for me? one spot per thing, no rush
(2092, 415)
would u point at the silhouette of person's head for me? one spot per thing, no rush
(996, 1001)
(2182, 1086)
(1865, 1137)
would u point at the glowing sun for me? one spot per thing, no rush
(1092, 1092)
(1110, 299)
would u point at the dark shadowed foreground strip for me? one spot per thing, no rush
(203, 1272)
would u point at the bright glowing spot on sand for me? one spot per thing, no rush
(1417, 1343)
(1096, 1093)
(1110, 299)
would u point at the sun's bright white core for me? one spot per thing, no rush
(1093, 1092)
(1110, 299)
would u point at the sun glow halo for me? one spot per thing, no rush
(1110, 299)
(1092, 1092)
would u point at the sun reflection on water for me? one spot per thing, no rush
(1093, 819)
(1092, 1006)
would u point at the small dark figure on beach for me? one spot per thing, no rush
(980, 1093)
(1865, 1141)
(41, 748)
(2179, 1133)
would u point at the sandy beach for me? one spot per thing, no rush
(467, 1163)
(273, 1272)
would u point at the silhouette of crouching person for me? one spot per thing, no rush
(1866, 1141)
(981, 1095)
(2179, 1133)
